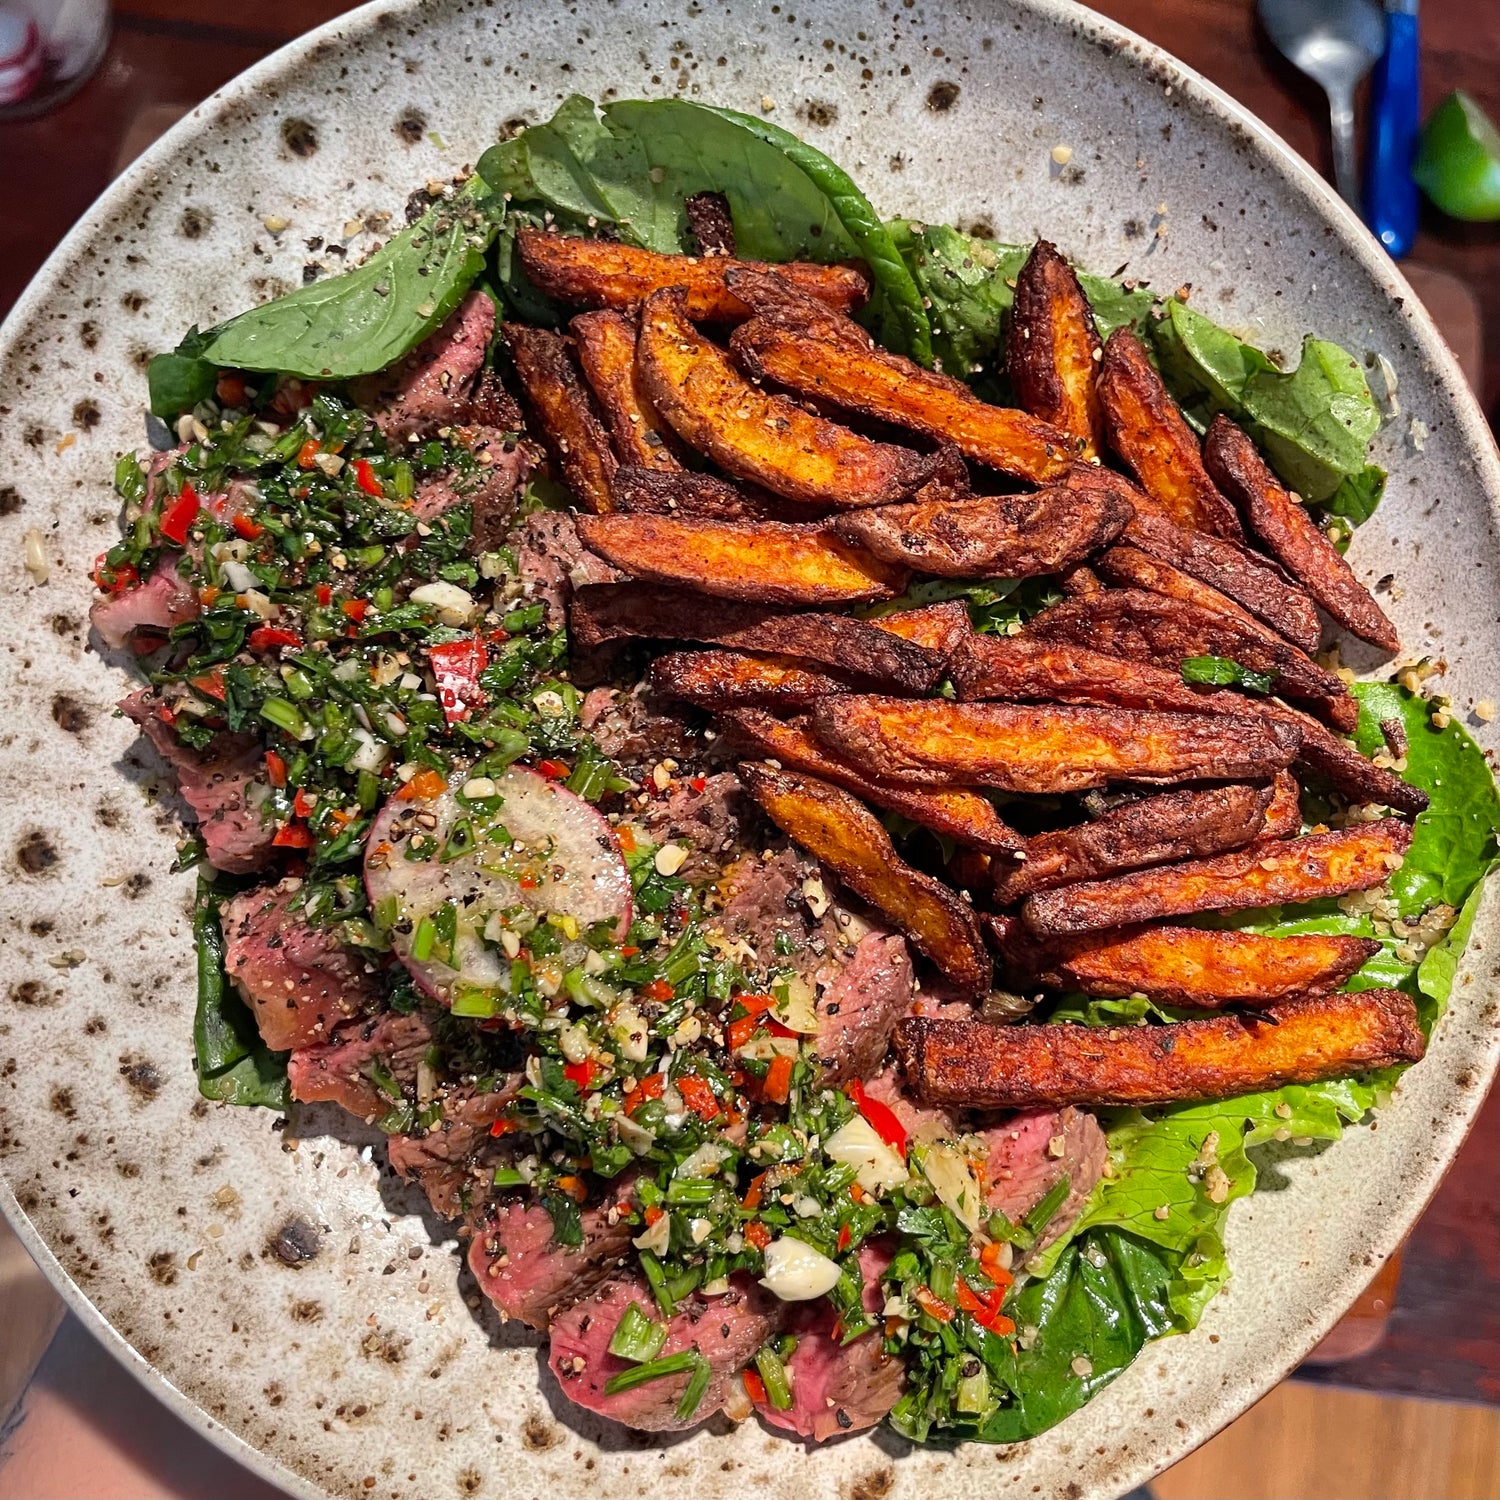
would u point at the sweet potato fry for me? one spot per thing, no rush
(1129, 568)
(942, 628)
(1232, 569)
(764, 563)
(993, 536)
(979, 1065)
(834, 360)
(1053, 351)
(1284, 815)
(1020, 667)
(722, 679)
(763, 437)
(662, 492)
(835, 828)
(606, 350)
(1136, 835)
(1279, 520)
(1020, 748)
(1189, 966)
(1148, 431)
(565, 413)
(958, 814)
(854, 648)
(1165, 632)
(1338, 763)
(712, 223)
(604, 273)
(1266, 873)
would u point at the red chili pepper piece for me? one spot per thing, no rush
(649, 1087)
(180, 514)
(275, 768)
(230, 389)
(880, 1117)
(364, 477)
(845, 1236)
(293, 836)
(658, 990)
(272, 637)
(456, 667)
(114, 580)
(324, 593)
(248, 527)
(553, 770)
(699, 1097)
(581, 1074)
(355, 609)
(302, 804)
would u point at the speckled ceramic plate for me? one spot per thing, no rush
(266, 1281)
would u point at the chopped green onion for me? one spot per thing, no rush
(285, 715)
(973, 1394)
(475, 1003)
(654, 1369)
(637, 1337)
(1040, 1216)
(656, 1279)
(509, 1177)
(773, 1376)
(424, 940)
(692, 1397)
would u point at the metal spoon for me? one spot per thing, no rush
(1335, 42)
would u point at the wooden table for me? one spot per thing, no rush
(1443, 1338)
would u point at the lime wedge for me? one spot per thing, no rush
(1458, 162)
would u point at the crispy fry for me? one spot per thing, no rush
(1136, 835)
(1188, 966)
(1147, 430)
(606, 350)
(1233, 569)
(995, 536)
(942, 628)
(565, 413)
(835, 828)
(604, 273)
(1044, 749)
(834, 360)
(1053, 352)
(1129, 568)
(958, 814)
(1338, 763)
(764, 563)
(1266, 873)
(601, 613)
(1019, 667)
(712, 223)
(721, 679)
(763, 437)
(1284, 815)
(979, 1065)
(1079, 582)
(1147, 627)
(685, 493)
(1279, 520)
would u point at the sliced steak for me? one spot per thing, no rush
(764, 901)
(492, 492)
(921, 1122)
(837, 1387)
(528, 1276)
(216, 784)
(707, 818)
(860, 1007)
(299, 980)
(634, 728)
(1028, 1155)
(552, 560)
(430, 387)
(165, 599)
(725, 1330)
(338, 1071)
(442, 1159)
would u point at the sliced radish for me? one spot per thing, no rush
(457, 881)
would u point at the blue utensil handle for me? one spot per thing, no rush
(1391, 200)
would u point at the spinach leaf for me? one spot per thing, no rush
(633, 164)
(994, 604)
(899, 316)
(1439, 968)
(366, 319)
(1223, 671)
(1357, 495)
(177, 382)
(234, 1066)
(1083, 1323)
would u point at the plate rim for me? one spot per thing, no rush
(1354, 238)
